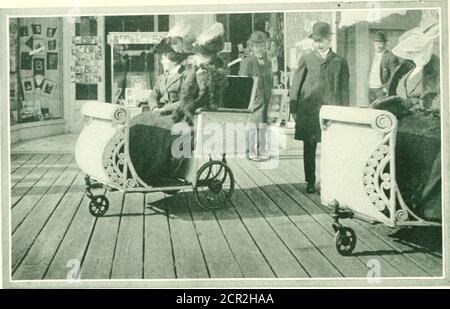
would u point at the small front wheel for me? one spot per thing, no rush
(214, 185)
(345, 240)
(98, 205)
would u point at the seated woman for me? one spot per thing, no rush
(206, 79)
(414, 99)
(174, 49)
(200, 85)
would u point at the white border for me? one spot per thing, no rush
(365, 280)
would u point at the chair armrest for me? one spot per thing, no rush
(223, 110)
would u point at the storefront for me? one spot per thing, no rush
(36, 77)
(58, 63)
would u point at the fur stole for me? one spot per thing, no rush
(203, 87)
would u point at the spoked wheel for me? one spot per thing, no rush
(98, 205)
(345, 241)
(215, 185)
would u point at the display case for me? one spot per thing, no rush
(35, 55)
(134, 68)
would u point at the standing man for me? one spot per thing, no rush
(322, 78)
(258, 65)
(383, 66)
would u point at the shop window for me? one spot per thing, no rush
(163, 22)
(238, 28)
(35, 69)
(132, 63)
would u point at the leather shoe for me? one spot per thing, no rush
(310, 188)
(252, 157)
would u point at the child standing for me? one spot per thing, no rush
(258, 65)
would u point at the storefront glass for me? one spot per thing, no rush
(35, 49)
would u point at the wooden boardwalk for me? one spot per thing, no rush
(271, 229)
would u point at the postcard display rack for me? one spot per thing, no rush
(132, 86)
(87, 57)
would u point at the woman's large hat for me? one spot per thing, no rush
(321, 30)
(211, 40)
(179, 40)
(417, 44)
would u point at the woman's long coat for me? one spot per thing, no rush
(317, 82)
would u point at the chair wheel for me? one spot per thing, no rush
(98, 205)
(215, 185)
(345, 240)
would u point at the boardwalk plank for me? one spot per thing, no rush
(314, 262)
(18, 160)
(44, 248)
(395, 257)
(23, 170)
(98, 261)
(129, 253)
(251, 262)
(348, 266)
(282, 261)
(39, 190)
(322, 218)
(26, 233)
(189, 259)
(421, 258)
(274, 179)
(69, 257)
(158, 253)
(27, 175)
(219, 258)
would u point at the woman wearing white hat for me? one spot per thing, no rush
(206, 81)
(414, 98)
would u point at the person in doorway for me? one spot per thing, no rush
(258, 65)
(384, 63)
(321, 78)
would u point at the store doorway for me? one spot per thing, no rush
(132, 59)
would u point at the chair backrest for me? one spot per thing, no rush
(358, 161)
(241, 91)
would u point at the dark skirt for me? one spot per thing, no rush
(418, 164)
(150, 148)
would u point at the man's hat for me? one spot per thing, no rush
(258, 37)
(211, 40)
(380, 36)
(321, 30)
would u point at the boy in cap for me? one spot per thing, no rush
(258, 65)
(384, 63)
(321, 78)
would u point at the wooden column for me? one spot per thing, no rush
(362, 55)
(68, 28)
